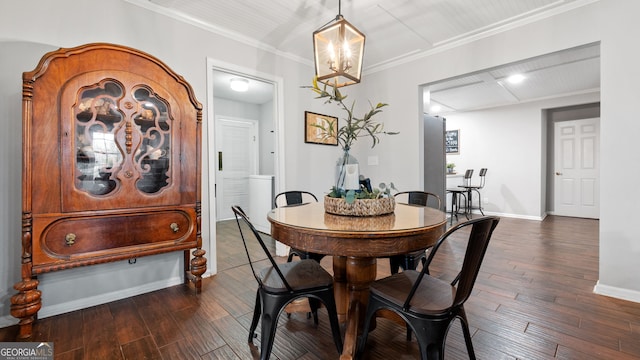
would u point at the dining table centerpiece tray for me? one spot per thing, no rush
(359, 207)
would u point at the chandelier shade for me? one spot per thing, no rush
(338, 53)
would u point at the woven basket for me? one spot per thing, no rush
(371, 223)
(360, 207)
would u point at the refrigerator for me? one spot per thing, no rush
(434, 156)
(260, 201)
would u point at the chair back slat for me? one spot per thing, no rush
(293, 197)
(421, 198)
(476, 248)
(243, 223)
(479, 236)
(483, 173)
(466, 181)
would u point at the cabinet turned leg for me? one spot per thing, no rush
(25, 305)
(198, 267)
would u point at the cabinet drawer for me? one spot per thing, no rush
(81, 237)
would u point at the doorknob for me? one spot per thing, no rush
(558, 173)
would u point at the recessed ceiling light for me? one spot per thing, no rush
(516, 78)
(238, 84)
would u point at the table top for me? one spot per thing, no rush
(309, 227)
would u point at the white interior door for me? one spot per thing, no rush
(237, 152)
(577, 168)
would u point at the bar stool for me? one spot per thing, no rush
(461, 191)
(476, 188)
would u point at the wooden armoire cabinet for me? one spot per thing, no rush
(111, 166)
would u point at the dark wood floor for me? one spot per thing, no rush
(533, 300)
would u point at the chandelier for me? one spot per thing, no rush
(338, 49)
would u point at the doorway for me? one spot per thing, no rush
(263, 103)
(577, 168)
(238, 158)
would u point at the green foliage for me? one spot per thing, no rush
(355, 127)
(451, 165)
(350, 196)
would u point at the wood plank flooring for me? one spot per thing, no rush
(533, 300)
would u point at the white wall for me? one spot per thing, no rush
(610, 22)
(509, 142)
(237, 109)
(185, 49)
(400, 86)
(620, 127)
(267, 139)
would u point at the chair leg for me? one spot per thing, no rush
(330, 304)
(269, 323)
(469, 204)
(454, 210)
(370, 313)
(256, 317)
(467, 335)
(431, 337)
(314, 304)
(394, 266)
(290, 257)
(409, 262)
(466, 205)
(479, 201)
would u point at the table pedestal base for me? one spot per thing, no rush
(352, 277)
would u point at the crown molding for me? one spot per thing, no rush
(441, 46)
(485, 32)
(146, 4)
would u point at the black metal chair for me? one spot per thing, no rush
(457, 193)
(292, 198)
(428, 304)
(476, 188)
(410, 260)
(280, 284)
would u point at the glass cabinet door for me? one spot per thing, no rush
(98, 126)
(153, 157)
(96, 122)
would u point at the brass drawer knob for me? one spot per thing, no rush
(174, 227)
(70, 239)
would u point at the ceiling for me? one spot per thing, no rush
(568, 72)
(259, 92)
(425, 27)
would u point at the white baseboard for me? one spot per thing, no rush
(83, 303)
(7, 320)
(47, 311)
(515, 216)
(616, 292)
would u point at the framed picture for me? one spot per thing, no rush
(452, 142)
(316, 127)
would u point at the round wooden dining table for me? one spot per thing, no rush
(355, 243)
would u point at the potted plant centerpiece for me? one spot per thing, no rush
(451, 167)
(347, 196)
